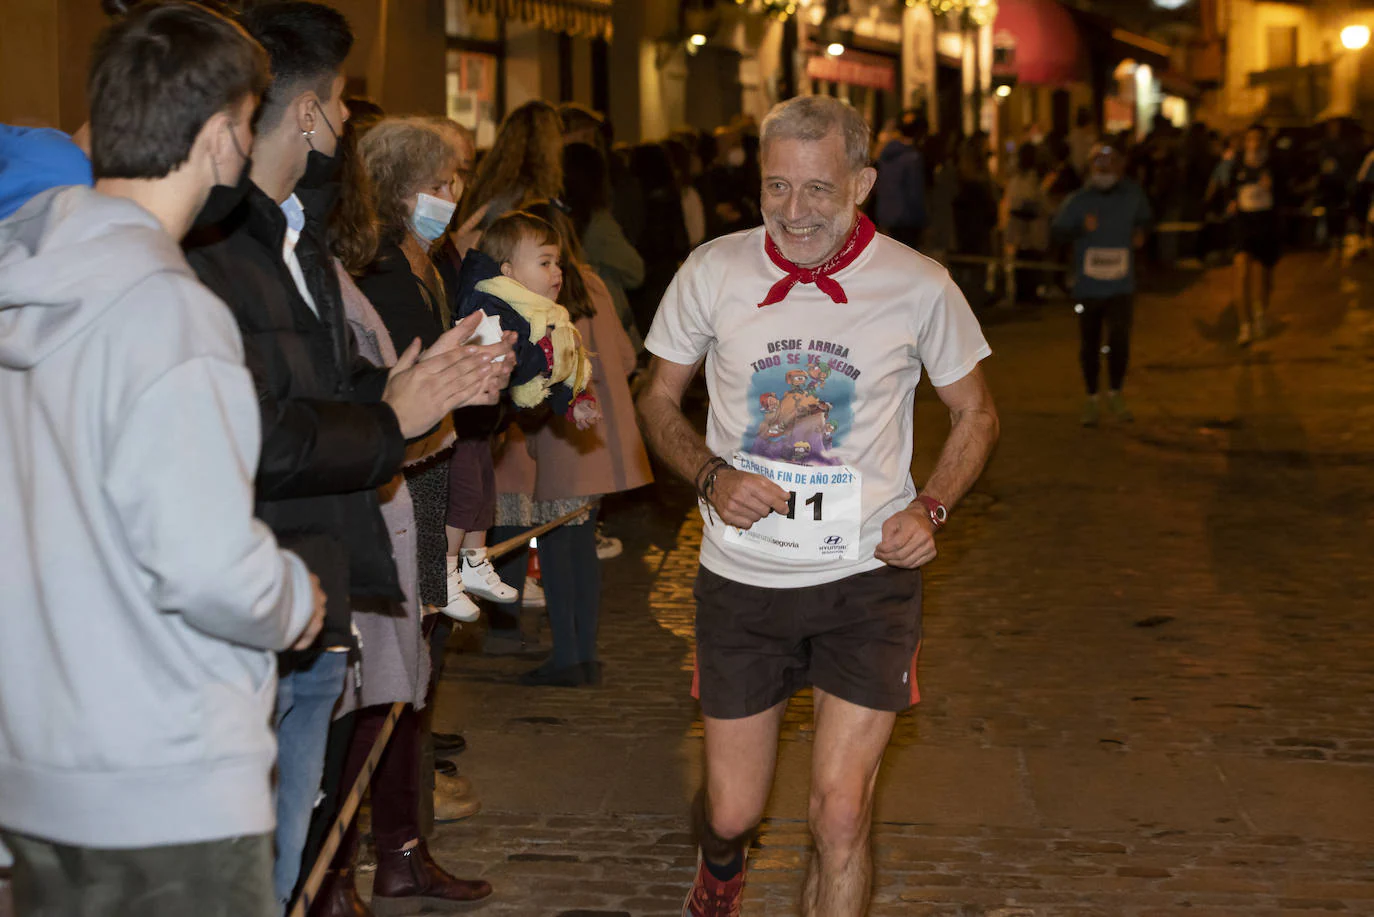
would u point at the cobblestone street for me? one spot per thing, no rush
(1147, 665)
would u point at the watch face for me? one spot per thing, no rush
(940, 514)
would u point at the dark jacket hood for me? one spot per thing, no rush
(477, 266)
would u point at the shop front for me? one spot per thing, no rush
(500, 54)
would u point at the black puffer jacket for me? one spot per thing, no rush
(327, 439)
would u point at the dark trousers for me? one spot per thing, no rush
(395, 784)
(572, 586)
(224, 878)
(438, 628)
(1115, 314)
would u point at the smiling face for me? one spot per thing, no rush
(535, 267)
(811, 196)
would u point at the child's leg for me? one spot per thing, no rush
(471, 493)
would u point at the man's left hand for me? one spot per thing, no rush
(908, 539)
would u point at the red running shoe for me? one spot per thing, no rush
(711, 897)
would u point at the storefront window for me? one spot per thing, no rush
(472, 98)
(476, 44)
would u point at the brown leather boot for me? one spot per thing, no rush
(339, 897)
(410, 878)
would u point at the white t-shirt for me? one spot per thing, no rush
(814, 382)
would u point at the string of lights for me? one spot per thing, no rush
(977, 12)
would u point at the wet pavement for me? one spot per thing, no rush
(1148, 669)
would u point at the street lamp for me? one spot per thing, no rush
(698, 40)
(1355, 37)
(835, 49)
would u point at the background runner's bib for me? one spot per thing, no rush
(1106, 263)
(1255, 197)
(825, 518)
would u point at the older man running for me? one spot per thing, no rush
(814, 331)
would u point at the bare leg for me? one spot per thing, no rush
(474, 540)
(455, 540)
(740, 757)
(849, 746)
(1264, 280)
(1241, 292)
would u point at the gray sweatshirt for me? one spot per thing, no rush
(140, 601)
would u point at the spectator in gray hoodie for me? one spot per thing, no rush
(143, 603)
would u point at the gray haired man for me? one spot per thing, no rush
(815, 331)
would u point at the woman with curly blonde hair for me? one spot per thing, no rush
(525, 163)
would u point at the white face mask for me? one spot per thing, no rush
(431, 216)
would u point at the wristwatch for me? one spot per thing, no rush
(939, 513)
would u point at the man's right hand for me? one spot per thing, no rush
(422, 388)
(742, 498)
(312, 628)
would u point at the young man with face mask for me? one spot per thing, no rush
(144, 604)
(815, 533)
(334, 426)
(1106, 221)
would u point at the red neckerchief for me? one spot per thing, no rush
(858, 240)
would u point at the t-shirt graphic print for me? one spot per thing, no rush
(805, 395)
(816, 395)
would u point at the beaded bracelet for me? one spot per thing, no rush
(706, 481)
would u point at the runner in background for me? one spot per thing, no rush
(1254, 192)
(1106, 220)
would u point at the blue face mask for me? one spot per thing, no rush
(431, 216)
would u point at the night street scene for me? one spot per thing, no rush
(717, 458)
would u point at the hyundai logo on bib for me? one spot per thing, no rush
(834, 539)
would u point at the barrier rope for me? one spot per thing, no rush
(349, 808)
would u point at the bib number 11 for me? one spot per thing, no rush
(815, 502)
(823, 517)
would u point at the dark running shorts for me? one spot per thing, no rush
(1261, 237)
(856, 638)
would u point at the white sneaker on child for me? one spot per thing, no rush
(459, 607)
(480, 579)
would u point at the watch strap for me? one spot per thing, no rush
(939, 513)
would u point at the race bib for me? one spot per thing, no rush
(1255, 197)
(1106, 263)
(824, 517)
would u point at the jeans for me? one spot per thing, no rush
(306, 696)
(1116, 313)
(223, 878)
(572, 586)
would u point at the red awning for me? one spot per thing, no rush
(1043, 46)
